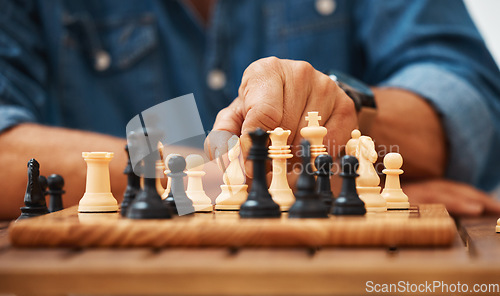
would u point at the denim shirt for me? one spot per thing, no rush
(94, 64)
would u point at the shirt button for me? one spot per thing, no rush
(325, 7)
(216, 79)
(102, 61)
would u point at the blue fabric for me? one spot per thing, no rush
(52, 69)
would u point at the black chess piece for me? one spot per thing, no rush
(183, 205)
(34, 198)
(348, 202)
(308, 203)
(147, 203)
(259, 203)
(169, 200)
(43, 184)
(56, 184)
(323, 165)
(133, 185)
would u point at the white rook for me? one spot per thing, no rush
(98, 196)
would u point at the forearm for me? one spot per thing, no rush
(59, 151)
(407, 122)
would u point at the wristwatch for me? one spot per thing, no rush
(361, 95)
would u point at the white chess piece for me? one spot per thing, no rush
(368, 181)
(98, 196)
(392, 193)
(279, 152)
(234, 191)
(497, 228)
(352, 145)
(160, 168)
(314, 133)
(195, 191)
(166, 172)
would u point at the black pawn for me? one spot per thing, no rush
(308, 203)
(56, 184)
(323, 165)
(34, 198)
(259, 203)
(133, 185)
(348, 202)
(147, 203)
(183, 205)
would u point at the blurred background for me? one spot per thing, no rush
(486, 16)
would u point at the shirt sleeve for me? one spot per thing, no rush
(22, 66)
(432, 48)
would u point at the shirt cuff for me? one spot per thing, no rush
(14, 115)
(464, 114)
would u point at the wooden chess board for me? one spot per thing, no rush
(423, 226)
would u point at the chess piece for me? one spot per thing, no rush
(348, 201)
(34, 200)
(56, 184)
(392, 193)
(259, 203)
(43, 184)
(147, 203)
(234, 190)
(168, 196)
(497, 228)
(314, 133)
(323, 164)
(133, 185)
(279, 152)
(352, 145)
(98, 196)
(177, 165)
(160, 169)
(195, 191)
(368, 181)
(308, 203)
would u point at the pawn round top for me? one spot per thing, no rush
(498, 221)
(55, 182)
(167, 159)
(349, 165)
(355, 134)
(176, 164)
(323, 163)
(393, 161)
(194, 162)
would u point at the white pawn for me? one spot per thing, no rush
(314, 133)
(234, 191)
(98, 196)
(166, 172)
(279, 152)
(497, 229)
(195, 191)
(392, 193)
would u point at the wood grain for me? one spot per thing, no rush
(430, 225)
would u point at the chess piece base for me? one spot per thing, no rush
(30, 212)
(498, 228)
(283, 197)
(98, 202)
(231, 197)
(349, 210)
(398, 205)
(374, 202)
(201, 202)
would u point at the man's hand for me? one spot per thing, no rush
(279, 93)
(460, 199)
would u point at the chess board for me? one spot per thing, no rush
(423, 226)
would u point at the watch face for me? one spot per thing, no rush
(357, 90)
(352, 82)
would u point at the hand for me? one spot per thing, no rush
(460, 199)
(279, 93)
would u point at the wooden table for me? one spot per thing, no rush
(473, 259)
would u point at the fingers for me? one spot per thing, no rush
(460, 199)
